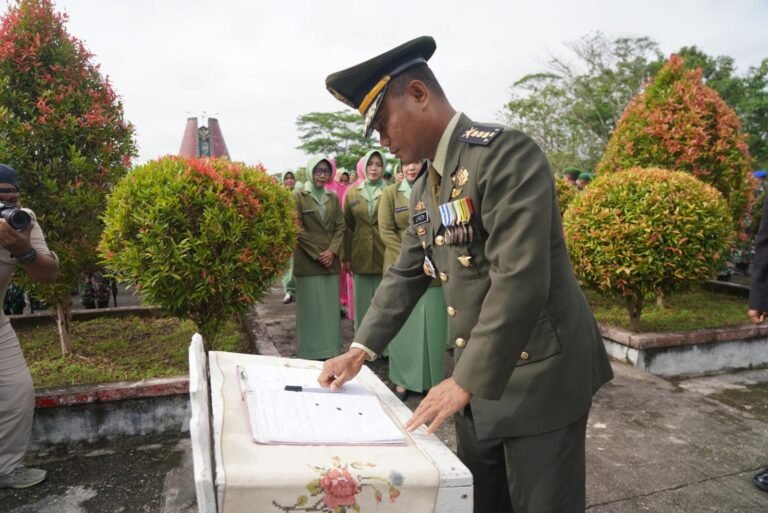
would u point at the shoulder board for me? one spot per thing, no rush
(481, 134)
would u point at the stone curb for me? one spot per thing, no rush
(682, 338)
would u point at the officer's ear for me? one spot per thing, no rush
(419, 92)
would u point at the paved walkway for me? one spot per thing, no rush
(654, 445)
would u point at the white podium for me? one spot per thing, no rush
(218, 477)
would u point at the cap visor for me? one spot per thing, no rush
(370, 114)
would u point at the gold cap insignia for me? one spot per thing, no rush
(464, 260)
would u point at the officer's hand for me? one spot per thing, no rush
(16, 242)
(756, 316)
(342, 368)
(442, 401)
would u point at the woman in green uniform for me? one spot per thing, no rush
(417, 353)
(316, 266)
(363, 248)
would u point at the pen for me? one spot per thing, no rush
(300, 388)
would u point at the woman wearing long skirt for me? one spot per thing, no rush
(417, 353)
(316, 265)
(363, 249)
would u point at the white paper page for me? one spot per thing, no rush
(281, 417)
(270, 377)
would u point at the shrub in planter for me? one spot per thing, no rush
(565, 193)
(646, 231)
(201, 238)
(679, 123)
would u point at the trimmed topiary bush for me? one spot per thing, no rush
(201, 238)
(646, 232)
(565, 194)
(679, 123)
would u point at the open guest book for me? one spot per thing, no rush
(286, 406)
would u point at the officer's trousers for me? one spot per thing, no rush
(542, 473)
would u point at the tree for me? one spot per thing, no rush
(62, 128)
(747, 95)
(679, 123)
(202, 238)
(338, 135)
(641, 232)
(573, 107)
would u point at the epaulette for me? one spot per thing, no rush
(481, 134)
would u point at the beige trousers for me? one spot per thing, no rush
(17, 401)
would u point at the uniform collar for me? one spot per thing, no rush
(442, 147)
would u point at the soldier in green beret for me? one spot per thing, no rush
(529, 354)
(571, 174)
(583, 180)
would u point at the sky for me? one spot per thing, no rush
(256, 65)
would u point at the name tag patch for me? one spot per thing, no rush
(420, 218)
(304, 212)
(354, 203)
(401, 209)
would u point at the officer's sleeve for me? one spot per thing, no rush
(401, 288)
(517, 194)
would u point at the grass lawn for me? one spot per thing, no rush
(682, 312)
(117, 349)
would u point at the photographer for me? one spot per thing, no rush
(21, 243)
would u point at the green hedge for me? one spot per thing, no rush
(646, 232)
(202, 238)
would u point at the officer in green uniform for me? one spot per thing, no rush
(486, 222)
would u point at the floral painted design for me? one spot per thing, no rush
(338, 487)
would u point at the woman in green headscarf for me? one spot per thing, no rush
(363, 249)
(417, 353)
(316, 266)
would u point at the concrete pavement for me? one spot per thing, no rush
(653, 445)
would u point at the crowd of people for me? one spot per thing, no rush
(352, 227)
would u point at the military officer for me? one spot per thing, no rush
(486, 223)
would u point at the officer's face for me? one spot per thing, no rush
(398, 122)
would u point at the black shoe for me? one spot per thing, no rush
(288, 298)
(402, 395)
(761, 480)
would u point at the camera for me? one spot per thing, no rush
(16, 217)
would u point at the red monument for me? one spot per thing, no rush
(204, 141)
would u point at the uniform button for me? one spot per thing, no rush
(524, 356)
(451, 311)
(439, 240)
(460, 342)
(443, 277)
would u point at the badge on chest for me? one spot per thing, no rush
(456, 217)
